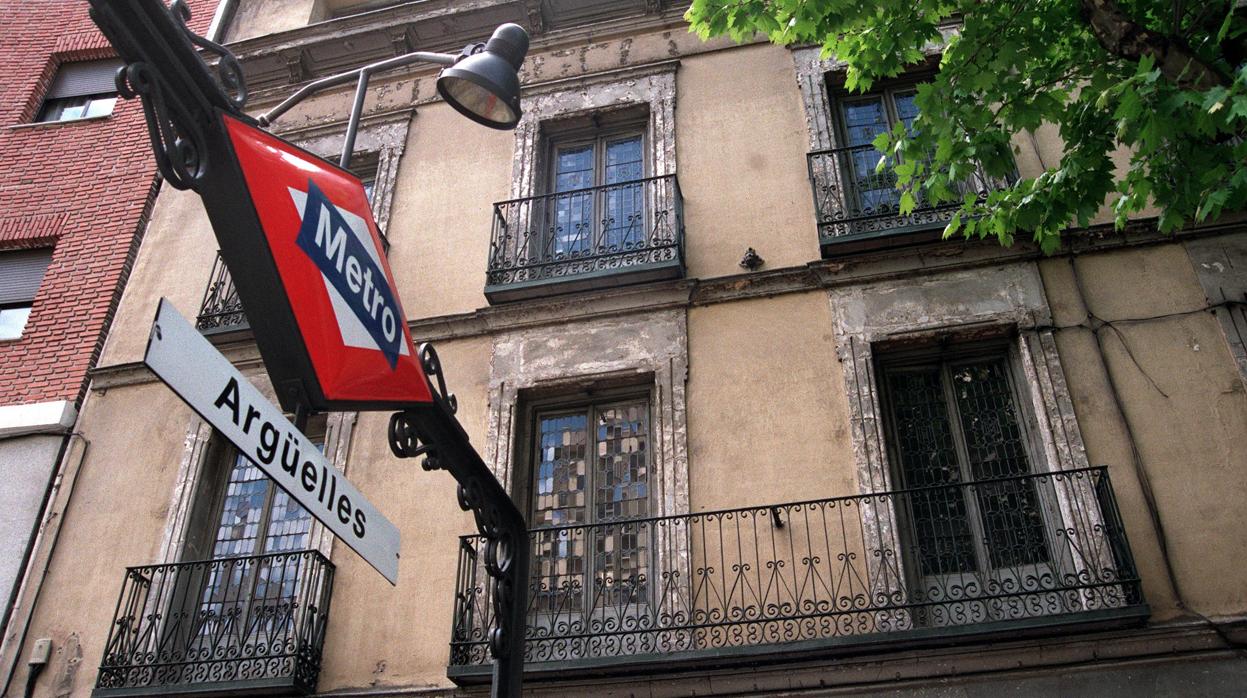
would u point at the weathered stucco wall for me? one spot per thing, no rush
(742, 161)
(767, 411)
(451, 174)
(1183, 404)
(134, 438)
(174, 262)
(399, 636)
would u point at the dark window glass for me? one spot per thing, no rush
(956, 422)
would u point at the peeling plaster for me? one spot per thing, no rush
(652, 86)
(567, 358)
(952, 303)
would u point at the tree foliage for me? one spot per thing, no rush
(1163, 80)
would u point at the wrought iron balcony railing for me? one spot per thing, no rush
(909, 566)
(221, 309)
(609, 235)
(247, 624)
(854, 203)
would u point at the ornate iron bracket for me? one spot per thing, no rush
(178, 90)
(434, 433)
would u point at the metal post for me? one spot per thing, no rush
(433, 432)
(352, 126)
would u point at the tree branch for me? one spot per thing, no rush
(1122, 36)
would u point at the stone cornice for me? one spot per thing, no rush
(687, 293)
(277, 64)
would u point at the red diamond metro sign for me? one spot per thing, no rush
(337, 310)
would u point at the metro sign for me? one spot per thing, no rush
(307, 260)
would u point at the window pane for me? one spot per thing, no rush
(621, 492)
(13, 321)
(624, 224)
(573, 213)
(65, 109)
(575, 168)
(927, 459)
(906, 108)
(99, 106)
(864, 119)
(869, 191)
(1012, 520)
(243, 511)
(623, 160)
(559, 499)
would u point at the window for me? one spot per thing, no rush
(595, 177)
(861, 120)
(252, 529)
(21, 273)
(971, 513)
(591, 466)
(81, 91)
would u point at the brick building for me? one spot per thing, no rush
(76, 184)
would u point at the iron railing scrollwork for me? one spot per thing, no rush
(179, 92)
(853, 201)
(432, 432)
(842, 569)
(221, 309)
(235, 621)
(614, 228)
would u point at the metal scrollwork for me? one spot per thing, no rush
(432, 432)
(181, 95)
(228, 69)
(432, 366)
(177, 140)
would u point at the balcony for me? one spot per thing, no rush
(596, 237)
(221, 310)
(247, 625)
(934, 565)
(859, 208)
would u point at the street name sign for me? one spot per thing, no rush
(210, 384)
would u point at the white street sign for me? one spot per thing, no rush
(206, 381)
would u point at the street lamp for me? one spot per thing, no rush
(484, 86)
(481, 82)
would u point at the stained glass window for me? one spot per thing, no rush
(591, 467)
(253, 596)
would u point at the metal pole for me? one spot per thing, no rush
(342, 78)
(352, 126)
(433, 432)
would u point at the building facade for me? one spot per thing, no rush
(76, 187)
(771, 435)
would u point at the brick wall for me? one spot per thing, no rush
(81, 187)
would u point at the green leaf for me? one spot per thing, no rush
(908, 202)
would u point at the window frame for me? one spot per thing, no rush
(598, 129)
(946, 354)
(52, 99)
(524, 489)
(599, 137)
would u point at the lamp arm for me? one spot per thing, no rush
(359, 73)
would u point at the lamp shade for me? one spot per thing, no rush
(485, 86)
